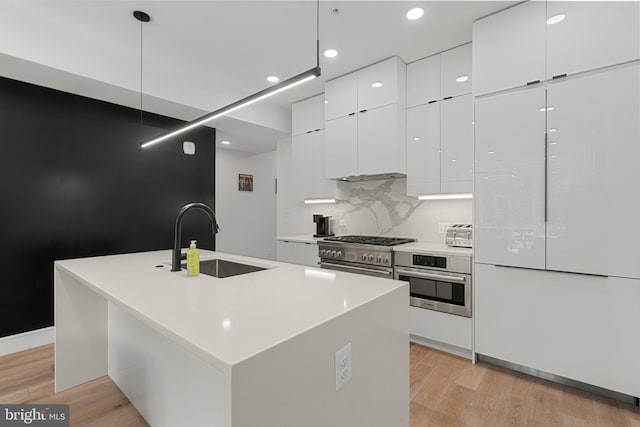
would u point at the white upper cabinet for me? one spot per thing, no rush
(455, 66)
(593, 173)
(318, 112)
(341, 147)
(308, 115)
(423, 81)
(509, 48)
(457, 144)
(303, 159)
(302, 117)
(381, 140)
(423, 149)
(342, 97)
(382, 84)
(365, 121)
(593, 34)
(509, 193)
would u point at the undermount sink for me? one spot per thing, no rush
(220, 268)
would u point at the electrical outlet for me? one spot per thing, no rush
(343, 366)
(442, 227)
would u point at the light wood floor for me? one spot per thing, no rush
(445, 391)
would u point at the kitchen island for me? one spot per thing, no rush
(257, 349)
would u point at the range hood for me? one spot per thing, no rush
(376, 177)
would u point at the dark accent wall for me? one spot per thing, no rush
(74, 182)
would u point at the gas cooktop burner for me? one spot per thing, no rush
(370, 240)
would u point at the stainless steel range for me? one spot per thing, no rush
(369, 255)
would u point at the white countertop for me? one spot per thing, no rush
(226, 320)
(300, 238)
(432, 248)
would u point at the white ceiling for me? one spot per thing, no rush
(205, 54)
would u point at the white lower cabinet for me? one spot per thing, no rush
(298, 253)
(445, 331)
(580, 327)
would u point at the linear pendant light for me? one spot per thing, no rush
(251, 99)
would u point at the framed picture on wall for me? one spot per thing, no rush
(245, 182)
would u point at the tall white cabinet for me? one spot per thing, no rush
(440, 124)
(365, 121)
(308, 151)
(557, 144)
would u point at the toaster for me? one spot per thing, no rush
(460, 235)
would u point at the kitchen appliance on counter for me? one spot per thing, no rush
(460, 235)
(368, 255)
(323, 225)
(436, 281)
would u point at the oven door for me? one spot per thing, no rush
(438, 290)
(367, 270)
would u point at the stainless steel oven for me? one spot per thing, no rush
(436, 282)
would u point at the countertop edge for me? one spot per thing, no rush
(217, 362)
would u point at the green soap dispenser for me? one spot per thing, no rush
(193, 260)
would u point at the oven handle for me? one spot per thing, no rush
(433, 276)
(350, 267)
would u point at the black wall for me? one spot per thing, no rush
(74, 182)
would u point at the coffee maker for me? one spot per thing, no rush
(323, 225)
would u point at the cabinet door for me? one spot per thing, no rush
(509, 193)
(302, 117)
(576, 326)
(456, 71)
(318, 112)
(322, 187)
(423, 81)
(298, 253)
(457, 144)
(342, 97)
(341, 147)
(594, 153)
(302, 150)
(378, 84)
(423, 149)
(378, 146)
(592, 35)
(509, 48)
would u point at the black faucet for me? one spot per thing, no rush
(175, 262)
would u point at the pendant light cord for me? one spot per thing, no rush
(141, 132)
(318, 33)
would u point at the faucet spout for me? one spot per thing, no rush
(177, 231)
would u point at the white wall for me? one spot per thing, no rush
(247, 219)
(374, 208)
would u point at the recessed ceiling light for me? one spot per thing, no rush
(453, 160)
(273, 79)
(330, 53)
(492, 152)
(415, 13)
(225, 142)
(461, 79)
(416, 138)
(376, 84)
(556, 18)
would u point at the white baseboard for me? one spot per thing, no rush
(26, 340)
